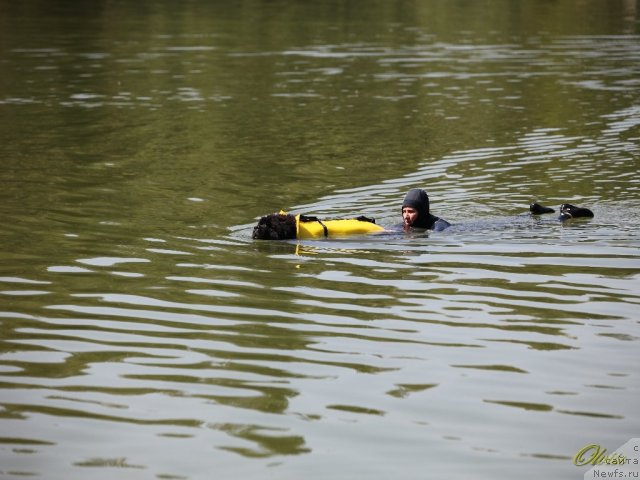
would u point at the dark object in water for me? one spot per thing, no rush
(567, 211)
(538, 209)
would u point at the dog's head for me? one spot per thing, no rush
(277, 226)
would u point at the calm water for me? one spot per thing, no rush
(146, 336)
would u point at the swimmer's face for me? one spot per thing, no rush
(409, 216)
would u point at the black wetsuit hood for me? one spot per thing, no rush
(418, 199)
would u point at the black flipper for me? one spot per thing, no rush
(538, 209)
(568, 211)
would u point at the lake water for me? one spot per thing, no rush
(146, 336)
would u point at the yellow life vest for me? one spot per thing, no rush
(312, 227)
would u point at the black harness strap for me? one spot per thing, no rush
(309, 218)
(324, 227)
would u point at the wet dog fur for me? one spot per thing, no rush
(277, 226)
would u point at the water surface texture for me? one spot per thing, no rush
(144, 335)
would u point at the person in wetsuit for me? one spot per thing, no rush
(416, 214)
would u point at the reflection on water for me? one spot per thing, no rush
(145, 334)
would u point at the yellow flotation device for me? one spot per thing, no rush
(313, 227)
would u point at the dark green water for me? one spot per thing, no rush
(145, 335)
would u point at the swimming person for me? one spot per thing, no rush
(416, 214)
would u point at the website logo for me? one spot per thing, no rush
(623, 462)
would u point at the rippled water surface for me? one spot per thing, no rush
(145, 335)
